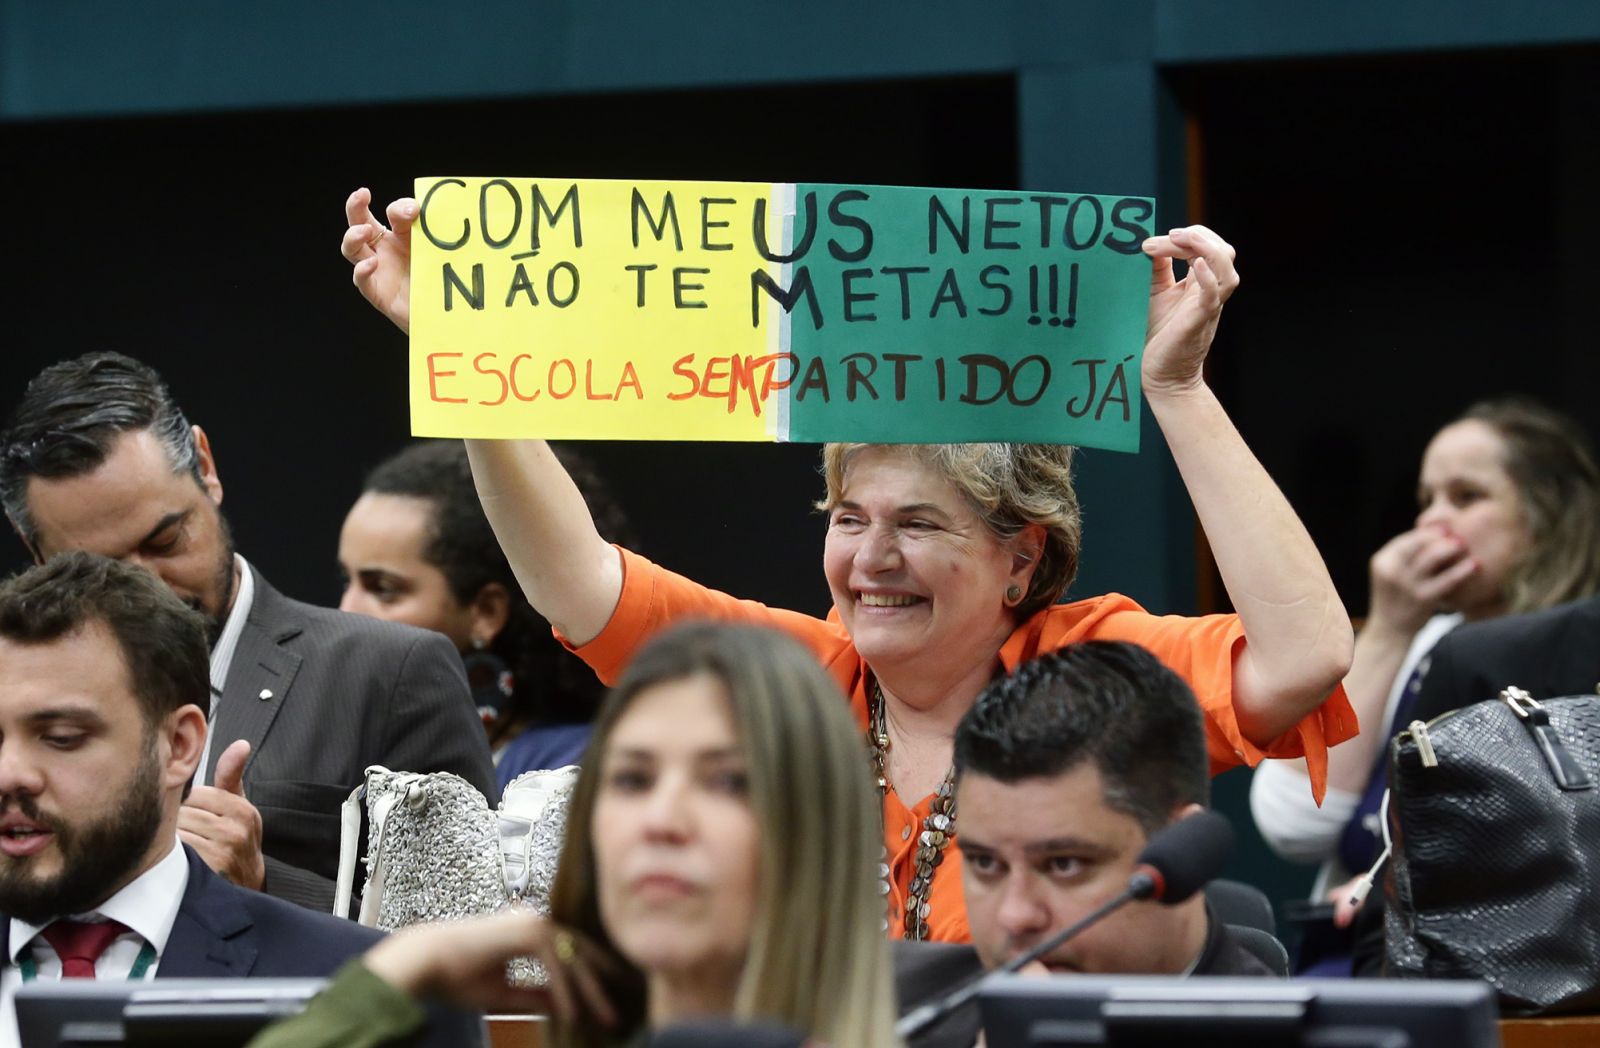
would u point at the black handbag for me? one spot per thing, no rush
(1494, 825)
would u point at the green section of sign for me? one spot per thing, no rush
(939, 315)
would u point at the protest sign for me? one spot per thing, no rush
(793, 312)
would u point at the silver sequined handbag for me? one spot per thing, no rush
(437, 852)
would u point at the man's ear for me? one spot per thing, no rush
(1183, 811)
(491, 609)
(209, 480)
(183, 741)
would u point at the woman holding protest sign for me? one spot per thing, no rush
(945, 563)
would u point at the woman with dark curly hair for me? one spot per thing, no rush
(416, 548)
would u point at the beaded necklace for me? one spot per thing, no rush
(938, 829)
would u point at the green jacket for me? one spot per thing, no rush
(357, 1010)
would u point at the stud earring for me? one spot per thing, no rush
(1013, 594)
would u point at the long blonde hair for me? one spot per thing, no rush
(818, 959)
(1550, 460)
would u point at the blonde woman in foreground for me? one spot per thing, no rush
(695, 881)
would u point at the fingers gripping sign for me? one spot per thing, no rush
(381, 255)
(1184, 313)
(222, 826)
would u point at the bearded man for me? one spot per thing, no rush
(103, 681)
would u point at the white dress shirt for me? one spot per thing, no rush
(147, 905)
(222, 654)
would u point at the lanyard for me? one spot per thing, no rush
(141, 964)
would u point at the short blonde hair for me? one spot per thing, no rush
(818, 959)
(1009, 486)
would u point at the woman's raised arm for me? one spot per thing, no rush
(571, 575)
(1298, 635)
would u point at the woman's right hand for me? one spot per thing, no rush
(381, 256)
(464, 963)
(1412, 574)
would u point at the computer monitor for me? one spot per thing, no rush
(1146, 1011)
(196, 1013)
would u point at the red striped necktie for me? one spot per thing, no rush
(79, 944)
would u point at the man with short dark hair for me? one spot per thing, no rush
(103, 677)
(1064, 770)
(99, 457)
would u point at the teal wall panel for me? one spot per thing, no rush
(1086, 128)
(74, 58)
(1188, 31)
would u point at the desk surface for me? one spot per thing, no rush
(1578, 1031)
(1573, 1031)
(517, 1031)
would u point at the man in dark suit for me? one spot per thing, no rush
(98, 457)
(1064, 770)
(102, 676)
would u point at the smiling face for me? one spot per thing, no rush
(1042, 853)
(1465, 491)
(134, 508)
(676, 845)
(88, 792)
(916, 575)
(386, 576)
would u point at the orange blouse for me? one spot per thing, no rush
(1200, 650)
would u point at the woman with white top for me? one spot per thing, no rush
(1508, 521)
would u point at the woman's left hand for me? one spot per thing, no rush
(1183, 313)
(464, 963)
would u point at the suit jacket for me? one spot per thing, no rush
(1550, 653)
(321, 694)
(223, 931)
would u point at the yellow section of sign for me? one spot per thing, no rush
(591, 308)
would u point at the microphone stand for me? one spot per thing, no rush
(1145, 883)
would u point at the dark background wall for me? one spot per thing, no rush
(1412, 235)
(1410, 187)
(208, 246)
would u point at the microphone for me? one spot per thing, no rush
(1180, 859)
(1176, 862)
